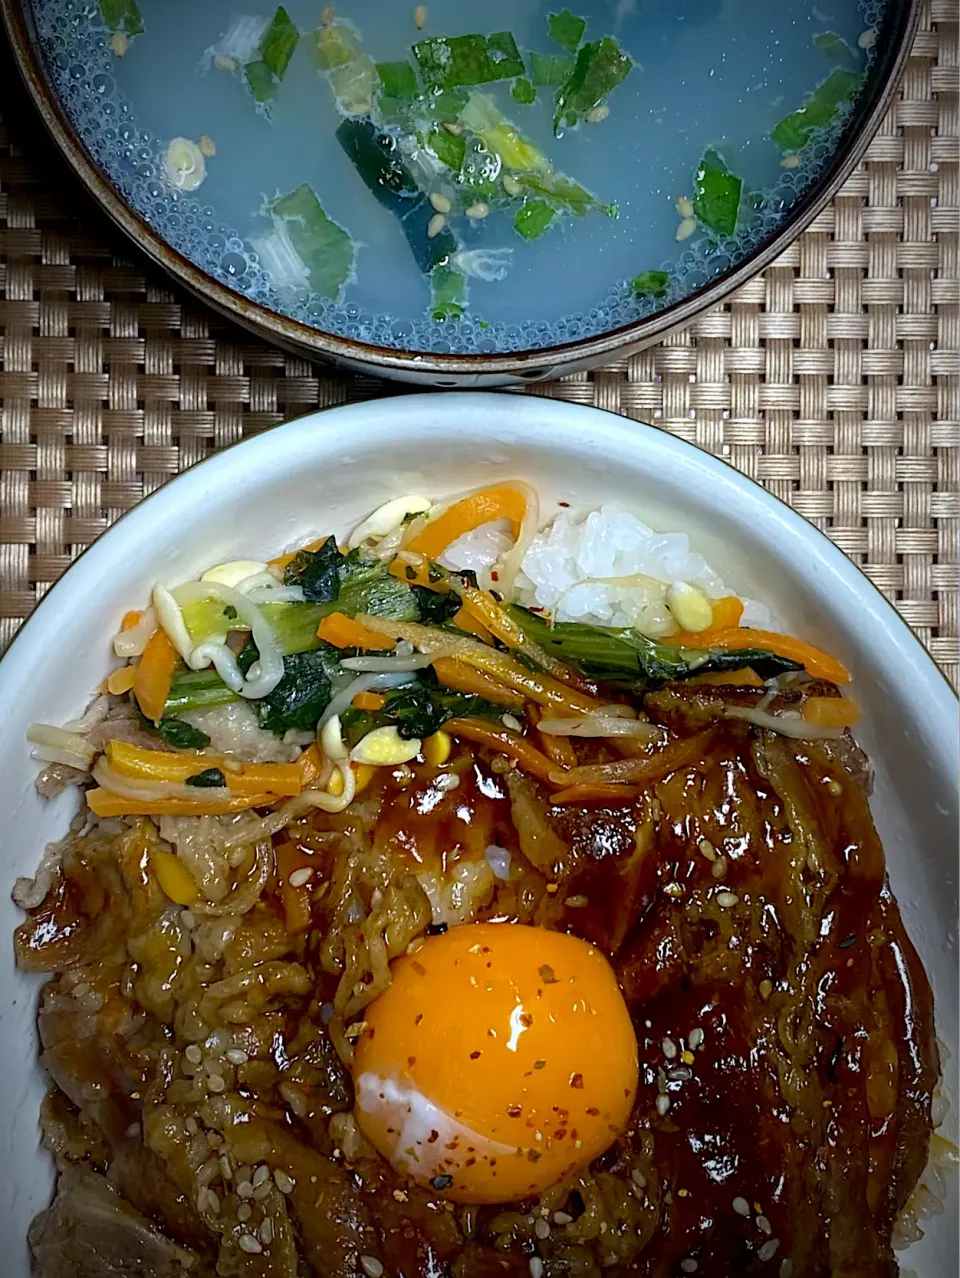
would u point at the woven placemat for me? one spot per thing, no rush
(831, 378)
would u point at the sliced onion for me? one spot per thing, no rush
(788, 724)
(131, 643)
(386, 519)
(597, 725)
(54, 745)
(95, 713)
(171, 619)
(222, 658)
(269, 668)
(245, 895)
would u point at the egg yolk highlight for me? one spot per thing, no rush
(501, 1059)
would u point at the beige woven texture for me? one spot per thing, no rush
(831, 379)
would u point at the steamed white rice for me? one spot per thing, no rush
(605, 567)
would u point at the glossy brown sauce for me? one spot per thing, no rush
(784, 1023)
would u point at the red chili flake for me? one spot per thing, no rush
(418, 1018)
(564, 504)
(434, 1136)
(494, 575)
(474, 1056)
(593, 1111)
(576, 1080)
(539, 1064)
(533, 1155)
(411, 1061)
(560, 1134)
(526, 1020)
(514, 1111)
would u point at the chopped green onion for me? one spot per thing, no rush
(716, 200)
(398, 80)
(523, 92)
(306, 251)
(818, 109)
(374, 155)
(449, 148)
(349, 71)
(446, 62)
(122, 16)
(448, 294)
(533, 218)
(549, 70)
(650, 284)
(277, 45)
(833, 46)
(599, 68)
(566, 29)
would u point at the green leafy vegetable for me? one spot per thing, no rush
(418, 709)
(566, 29)
(181, 735)
(302, 695)
(195, 690)
(599, 68)
(375, 156)
(398, 80)
(122, 16)
(716, 199)
(208, 778)
(833, 46)
(549, 70)
(446, 62)
(627, 659)
(316, 572)
(277, 47)
(818, 109)
(650, 284)
(533, 218)
(366, 586)
(436, 609)
(448, 295)
(306, 249)
(563, 191)
(482, 116)
(523, 92)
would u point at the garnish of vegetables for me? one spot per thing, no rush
(818, 109)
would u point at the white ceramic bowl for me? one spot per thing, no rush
(323, 473)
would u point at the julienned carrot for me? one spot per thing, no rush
(819, 664)
(281, 561)
(463, 621)
(415, 574)
(830, 712)
(505, 742)
(311, 766)
(121, 680)
(466, 515)
(745, 678)
(612, 795)
(344, 632)
(296, 900)
(368, 701)
(463, 678)
(105, 803)
(164, 765)
(151, 687)
(726, 615)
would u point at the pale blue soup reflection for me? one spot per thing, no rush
(446, 177)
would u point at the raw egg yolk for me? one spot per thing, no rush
(500, 1059)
